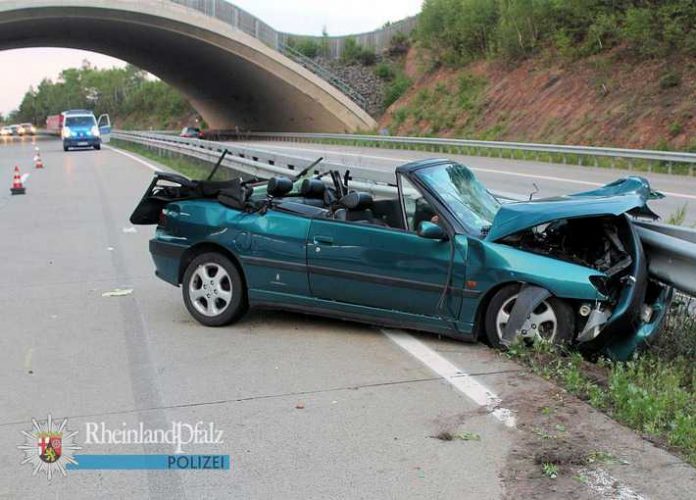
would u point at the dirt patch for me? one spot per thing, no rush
(602, 100)
(554, 433)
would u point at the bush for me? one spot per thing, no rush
(385, 71)
(399, 44)
(400, 116)
(669, 80)
(354, 53)
(396, 89)
(457, 31)
(305, 46)
(639, 31)
(367, 57)
(675, 128)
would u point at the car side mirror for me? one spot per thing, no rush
(431, 231)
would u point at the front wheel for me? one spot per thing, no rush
(552, 320)
(213, 290)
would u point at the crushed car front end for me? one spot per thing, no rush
(595, 230)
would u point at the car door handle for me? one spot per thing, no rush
(323, 240)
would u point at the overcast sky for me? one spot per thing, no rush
(24, 67)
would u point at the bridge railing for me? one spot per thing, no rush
(251, 25)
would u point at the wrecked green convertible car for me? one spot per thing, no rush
(437, 252)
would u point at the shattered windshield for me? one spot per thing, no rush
(459, 189)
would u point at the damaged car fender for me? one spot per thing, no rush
(497, 263)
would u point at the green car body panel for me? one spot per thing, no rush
(388, 276)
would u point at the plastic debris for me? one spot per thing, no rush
(118, 292)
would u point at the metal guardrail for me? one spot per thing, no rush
(257, 161)
(671, 158)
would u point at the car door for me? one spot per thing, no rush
(387, 268)
(104, 124)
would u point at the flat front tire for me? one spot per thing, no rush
(213, 290)
(552, 320)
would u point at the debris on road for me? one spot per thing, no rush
(130, 230)
(299, 406)
(462, 436)
(118, 292)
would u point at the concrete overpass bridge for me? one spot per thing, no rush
(223, 62)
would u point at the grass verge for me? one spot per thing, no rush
(190, 167)
(654, 394)
(635, 165)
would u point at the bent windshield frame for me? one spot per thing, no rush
(462, 194)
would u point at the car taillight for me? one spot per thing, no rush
(162, 222)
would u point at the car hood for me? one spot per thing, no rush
(628, 195)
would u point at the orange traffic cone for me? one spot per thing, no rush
(17, 186)
(38, 162)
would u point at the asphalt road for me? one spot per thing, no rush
(310, 408)
(504, 175)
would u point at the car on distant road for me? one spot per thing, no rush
(26, 129)
(192, 132)
(5, 131)
(438, 253)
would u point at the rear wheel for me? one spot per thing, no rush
(213, 290)
(552, 320)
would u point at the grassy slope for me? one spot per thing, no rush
(601, 100)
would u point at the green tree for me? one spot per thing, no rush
(121, 92)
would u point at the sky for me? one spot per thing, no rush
(21, 68)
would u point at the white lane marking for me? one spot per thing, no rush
(479, 169)
(27, 358)
(569, 181)
(456, 377)
(600, 481)
(342, 153)
(134, 158)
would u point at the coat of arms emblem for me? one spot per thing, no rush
(49, 446)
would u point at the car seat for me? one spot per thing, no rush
(313, 190)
